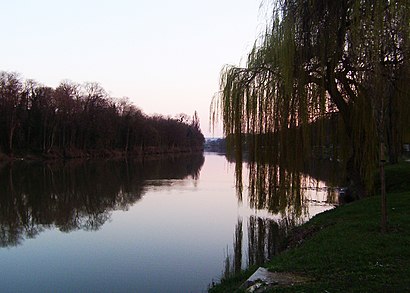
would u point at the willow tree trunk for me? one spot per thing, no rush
(357, 186)
(383, 224)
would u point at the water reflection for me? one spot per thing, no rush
(289, 193)
(77, 194)
(286, 187)
(265, 239)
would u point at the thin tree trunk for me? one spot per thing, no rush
(383, 190)
(127, 140)
(11, 134)
(381, 125)
(44, 147)
(53, 131)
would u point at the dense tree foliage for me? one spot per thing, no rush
(341, 66)
(73, 120)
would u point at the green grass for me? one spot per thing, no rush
(348, 253)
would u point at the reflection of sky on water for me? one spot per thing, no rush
(173, 239)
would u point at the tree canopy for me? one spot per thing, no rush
(74, 120)
(325, 73)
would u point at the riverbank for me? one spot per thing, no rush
(74, 153)
(342, 250)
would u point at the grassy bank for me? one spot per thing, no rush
(347, 253)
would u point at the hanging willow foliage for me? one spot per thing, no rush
(325, 72)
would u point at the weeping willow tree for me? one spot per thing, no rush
(324, 73)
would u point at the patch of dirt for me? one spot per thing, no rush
(263, 279)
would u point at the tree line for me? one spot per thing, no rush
(74, 120)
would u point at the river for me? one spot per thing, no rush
(157, 225)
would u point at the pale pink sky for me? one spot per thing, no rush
(166, 56)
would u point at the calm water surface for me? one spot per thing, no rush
(169, 225)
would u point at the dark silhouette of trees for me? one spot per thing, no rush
(317, 58)
(40, 126)
(11, 93)
(76, 120)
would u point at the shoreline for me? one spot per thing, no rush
(97, 154)
(343, 250)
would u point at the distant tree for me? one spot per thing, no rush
(41, 123)
(183, 118)
(11, 92)
(195, 122)
(68, 107)
(131, 125)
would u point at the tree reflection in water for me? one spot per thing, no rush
(286, 191)
(72, 195)
(265, 238)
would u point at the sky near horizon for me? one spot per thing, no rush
(166, 56)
